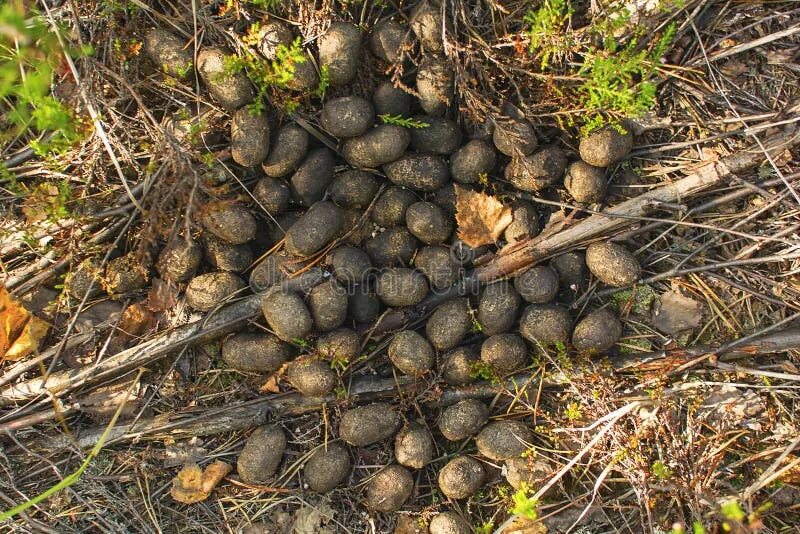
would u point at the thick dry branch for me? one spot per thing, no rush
(222, 321)
(510, 259)
(520, 255)
(184, 425)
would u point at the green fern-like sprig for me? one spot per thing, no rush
(399, 120)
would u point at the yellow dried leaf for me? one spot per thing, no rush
(20, 331)
(192, 484)
(28, 341)
(481, 218)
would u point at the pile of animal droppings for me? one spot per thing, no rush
(378, 214)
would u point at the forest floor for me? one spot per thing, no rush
(692, 423)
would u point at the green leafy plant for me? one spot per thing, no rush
(573, 411)
(732, 511)
(342, 364)
(562, 356)
(30, 56)
(546, 25)
(483, 370)
(399, 120)
(118, 7)
(236, 5)
(617, 72)
(477, 327)
(485, 528)
(302, 343)
(524, 504)
(339, 365)
(640, 299)
(619, 79)
(266, 4)
(266, 75)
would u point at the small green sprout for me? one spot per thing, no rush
(399, 120)
(660, 471)
(547, 37)
(482, 370)
(573, 411)
(302, 343)
(477, 327)
(732, 511)
(524, 505)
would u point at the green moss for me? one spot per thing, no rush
(640, 299)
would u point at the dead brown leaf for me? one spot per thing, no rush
(20, 330)
(481, 218)
(677, 313)
(102, 402)
(176, 454)
(271, 384)
(41, 202)
(163, 295)
(192, 484)
(135, 320)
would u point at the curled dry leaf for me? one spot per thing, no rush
(135, 320)
(20, 330)
(271, 384)
(102, 402)
(176, 454)
(481, 218)
(192, 484)
(313, 520)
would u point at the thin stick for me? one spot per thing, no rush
(743, 47)
(223, 321)
(518, 256)
(183, 425)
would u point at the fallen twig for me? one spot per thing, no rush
(214, 325)
(510, 259)
(517, 256)
(256, 412)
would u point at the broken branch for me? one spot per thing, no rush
(257, 412)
